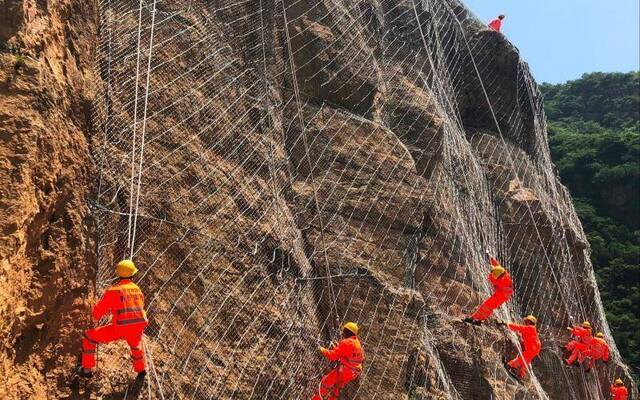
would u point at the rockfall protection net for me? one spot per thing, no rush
(277, 167)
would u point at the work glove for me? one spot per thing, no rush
(323, 350)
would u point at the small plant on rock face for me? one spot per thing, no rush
(19, 63)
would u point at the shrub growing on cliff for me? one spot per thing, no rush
(19, 63)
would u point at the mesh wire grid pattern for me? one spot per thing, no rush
(277, 167)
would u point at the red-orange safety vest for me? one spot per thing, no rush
(348, 352)
(125, 301)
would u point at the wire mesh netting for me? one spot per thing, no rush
(277, 167)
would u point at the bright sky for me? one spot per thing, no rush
(562, 39)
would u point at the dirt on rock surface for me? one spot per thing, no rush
(276, 168)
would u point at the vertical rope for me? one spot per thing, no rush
(144, 128)
(134, 128)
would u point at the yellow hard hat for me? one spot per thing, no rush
(531, 319)
(126, 269)
(586, 324)
(351, 327)
(600, 335)
(619, 382)
(497, 270)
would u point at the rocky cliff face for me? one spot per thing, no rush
(275, 168)
(47, 244)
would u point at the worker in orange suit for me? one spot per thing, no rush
(598, 350)
(618, 391)
(125, 302)
(349, 355)
(496, 24)
(579, 347)
(531, 345)
(502, 291)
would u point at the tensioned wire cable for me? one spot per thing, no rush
(214, 122)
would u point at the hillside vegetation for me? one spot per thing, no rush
(594, 134)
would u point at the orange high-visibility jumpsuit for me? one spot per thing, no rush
(599, 350)
(531, 347)
(502, 291)
(125, 301)
(350, 355)
(619, 392)
(496, 24)
(579, 347)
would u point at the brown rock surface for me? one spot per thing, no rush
(47, 249)
(304, 163)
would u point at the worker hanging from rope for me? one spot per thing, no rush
(502, 291)
(619, 391)
(598, 350)
(531, 346)
(496, 24)
(579, 347)
(349, 355)
(125, 302)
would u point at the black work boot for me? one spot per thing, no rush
(83, 372)
(470, 320)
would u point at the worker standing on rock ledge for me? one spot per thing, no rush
(580, 346)
(125, 301)
(496, 24)
(618, 391)
(502, 291)
(531, 345)
(350, 356)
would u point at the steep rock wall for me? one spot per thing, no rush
(47, 252)
(278, 167)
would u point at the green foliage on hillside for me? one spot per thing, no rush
(594, 135)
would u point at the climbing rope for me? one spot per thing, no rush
(134, 127)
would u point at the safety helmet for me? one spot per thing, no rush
(126, 269)
(586, 324)
(501, 16)
(531, 319)
(600, 335)
(619, 382)
(497, 271)
(351, 327)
